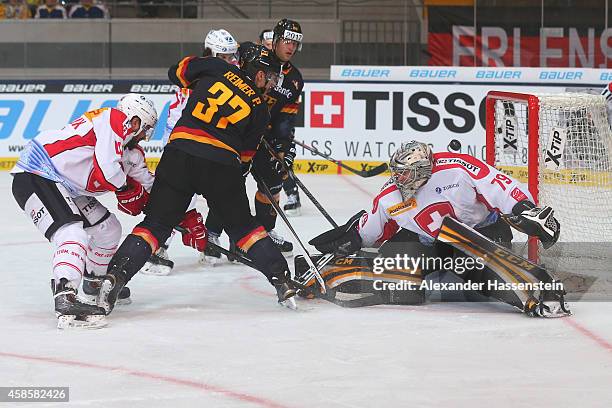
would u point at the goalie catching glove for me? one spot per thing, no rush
(535, 221)
(132, 198)
(195, 234)
(343, 240)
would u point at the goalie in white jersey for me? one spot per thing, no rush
(408, 213)
(56, 180)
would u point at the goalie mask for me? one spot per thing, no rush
(411, 167)
(136, 105)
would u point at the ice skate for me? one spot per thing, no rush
(158, 264)
(284, 290)
(71, 312)
(293, 208)
(91, 289)
(112, 284)
(210, 256)
(285, 247)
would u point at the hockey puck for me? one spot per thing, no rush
(454, 145)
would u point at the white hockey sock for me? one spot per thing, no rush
(70, 252)
(103, 241)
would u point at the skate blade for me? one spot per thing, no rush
(124, 302)
(294, 212)
(206, 260)
(288, 254)
(289, 303)
(156, 270)
(88, 322)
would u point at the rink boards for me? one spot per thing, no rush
(359, 123)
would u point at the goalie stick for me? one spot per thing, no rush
(280, 212)
(291, 174)
(375, 171)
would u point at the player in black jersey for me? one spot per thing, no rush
(209, 148)
(283, 102)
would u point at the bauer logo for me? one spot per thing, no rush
(556, 147)
(561, 75)
(365, 73)
(327, 109)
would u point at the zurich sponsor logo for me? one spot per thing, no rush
(448, 187)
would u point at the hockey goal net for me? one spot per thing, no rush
(561, 146)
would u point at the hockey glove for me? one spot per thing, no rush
(132, 198)
(343, 240)
(535, 221)
(285, 151)
(195, 235)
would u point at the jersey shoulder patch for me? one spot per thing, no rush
(471, 165)
(402, 207)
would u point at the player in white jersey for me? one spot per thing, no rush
(219, 44)
(408, 213)
(56, 180)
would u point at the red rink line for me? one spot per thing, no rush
(152, 376)
(603, 343)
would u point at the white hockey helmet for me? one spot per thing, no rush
(139, 105)
(411, 167)
(221, 42)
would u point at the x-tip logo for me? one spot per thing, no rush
(327, 109)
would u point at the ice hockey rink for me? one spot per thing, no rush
(215, 337)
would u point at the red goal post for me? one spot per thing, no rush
(560, 145)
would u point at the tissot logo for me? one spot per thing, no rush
(327, 109)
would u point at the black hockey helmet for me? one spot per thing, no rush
(288, 30)
(257, 58)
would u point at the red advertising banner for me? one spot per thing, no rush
(516, 38)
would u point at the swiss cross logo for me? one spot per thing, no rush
(327, 109)
(431, 217)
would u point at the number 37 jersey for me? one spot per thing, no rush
(461, 187)
(224, 117)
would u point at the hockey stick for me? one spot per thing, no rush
(280, 212)
(291, 174)
(375, 171)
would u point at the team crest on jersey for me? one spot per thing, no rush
(402, 207)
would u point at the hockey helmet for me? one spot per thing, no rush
(221, 42)
(288, 30)
(257, 58)
(411, 167)
(139, 105)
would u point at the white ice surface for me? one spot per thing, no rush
(216, 337)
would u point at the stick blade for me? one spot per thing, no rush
(375, 171)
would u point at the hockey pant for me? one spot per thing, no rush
(83, 232)
(263, 171)
(178, 177)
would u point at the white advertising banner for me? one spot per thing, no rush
(348, 121)
(510, 75)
